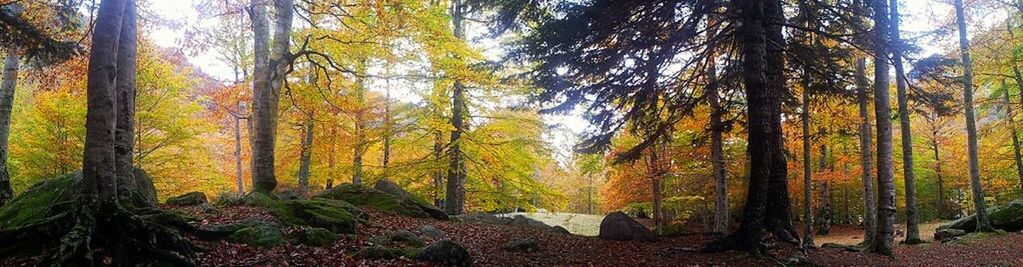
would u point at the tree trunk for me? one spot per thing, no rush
(763, 95)
(1018, 77)
(1012, 131)
(826, 212)
(884, 241)
(807, 183)
(306, 157)
(269, 64)
(125, 96)
(983, 225)
(912, 226)
(869, 200)
(238, 147)
(942, 208)
(387, 128)
(656, 175)
(780, 219)
(716, 141)
(455, 197)
(361, 144)
(7, 86)
(99, 179)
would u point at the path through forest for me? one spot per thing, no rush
(578, 224)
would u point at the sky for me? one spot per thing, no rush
(918, 17)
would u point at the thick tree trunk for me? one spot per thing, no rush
(269, 79)
(1018, 77)
(971, 124)
(763, 96)
(780, 219)
(807, 183)
(455, 196)
(7, 86)
(716, 142)
(306, 157)
(869, 199)
(912, 226)
(125, 94)
(99, 178)
(884, 241)
(438, 174)
(826, 213)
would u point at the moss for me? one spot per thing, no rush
(314, 236)
(263, 236)
(364, 196)
(190, 198)
(330, 214)
(45, 199)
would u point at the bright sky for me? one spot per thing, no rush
(918, 16)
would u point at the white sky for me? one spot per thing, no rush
(918, 16)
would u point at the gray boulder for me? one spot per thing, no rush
(618, 226)
(946, 234)
(188, 199)
(431, 232)
(446, 253)
(392, 188)
(523, 245)
(1008, 217)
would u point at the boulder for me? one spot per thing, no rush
(560, 230)
(364, 196)
(289, 194)
(144, 194)
(392, 188)
(407, 238)
(446, 253)
(315, 236)
(431, 232)
(336, 216)
(188, 199)
(618, 226)
(262, 235)
(945, 234)
(523, 245)
(1008, 217)
(375, 252)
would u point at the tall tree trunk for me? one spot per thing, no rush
(455, 196)
(1018, 77)
(306, 157)
(99, 178)
(269, 64)
(125, 96)
(869, 199)
(983, 224)
(807, 183)
(826, 212)
(912, 225)
(942, 207)
(1012, 131)
(765, 147)
(238, 148)
(780, 219)
(7, 86)
(361, 144)
(656, 174)
(387, 129)
(884, 241)
(716, 140)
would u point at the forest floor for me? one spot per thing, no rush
(485, 243)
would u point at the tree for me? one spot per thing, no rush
(867, 176)
(983, 225)
(454, 202)
(807, 183)
(883, 242)
(912, 226)
(7, 86)
(266, 88)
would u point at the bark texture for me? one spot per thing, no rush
(8, 84)
(125, 93)
(866, 158)
(269, 71)
(454, 203)
(807, 172)
(716, 142)
(99, 180)
(306, 156)
(983, 225)
(884, 241)
(912, 224)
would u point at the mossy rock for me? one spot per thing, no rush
(44, 199)
(446, 253)
(523, 245)
(145, 195)
(315, 236)
(403, 238)
(188, 199)
(364, 196)
(325, 213)
(376, 252)
(1008, 217)
(392, 188)
(263, 236)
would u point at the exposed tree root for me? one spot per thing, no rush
(122, 238)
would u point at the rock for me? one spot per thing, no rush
(289, 194)
(431, 232)
(364, 196)
(446, 253)
(945, 234)
(42, 200)
(188, 199)
(315, 236)
(333, 215)
(560, 230)
(1008, 217)
(263, 235)
(522, 245)
(145, 193)
(408, 238)
(618, 226)
(206, 208)
(384, 253)
(389, 187)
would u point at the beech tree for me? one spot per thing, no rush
(268, 73)
(983, 225)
